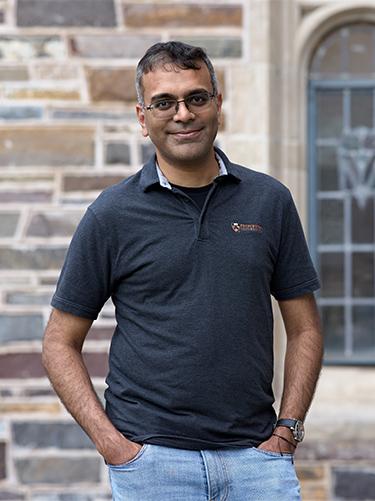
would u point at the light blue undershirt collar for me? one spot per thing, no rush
(165, 183)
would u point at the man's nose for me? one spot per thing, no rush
(183, 113)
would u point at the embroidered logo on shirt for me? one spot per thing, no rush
(238, 227)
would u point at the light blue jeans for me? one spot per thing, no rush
(160, 473)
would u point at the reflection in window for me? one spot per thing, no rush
(342, 163)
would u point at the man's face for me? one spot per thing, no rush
(186, 138)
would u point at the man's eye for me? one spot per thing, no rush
(166, 104)
(198, 99)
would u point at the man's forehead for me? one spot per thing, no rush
(161, 79)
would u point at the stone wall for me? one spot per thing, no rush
(68, 130)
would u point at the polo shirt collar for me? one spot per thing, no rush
(152, 175)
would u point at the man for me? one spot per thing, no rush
(190, 249)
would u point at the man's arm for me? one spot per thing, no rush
(303, 361)
(63, 361)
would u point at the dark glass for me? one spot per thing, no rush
(327, 59)
(329, 108)
(363, 222)
(331, 221)
(327, 168)
(333, 321)
(363, 274)
(361, 108)
(364, 329)
(332, 274)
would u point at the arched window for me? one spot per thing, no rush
(342, 189)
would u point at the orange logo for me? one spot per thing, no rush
(238, 227)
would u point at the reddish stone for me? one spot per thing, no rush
(2, 461)
(89, 183)
(112, 84)
(138, 15)
(29, 365)
(99, 333)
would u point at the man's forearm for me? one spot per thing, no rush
(70, 379)
(303, 362)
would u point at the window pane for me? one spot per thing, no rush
(361, 49)
(333, 329)
(363, 274)
(327, 169)
(328, 58)
(364, 330)
(362, 106)
(331, 221)
(332, 274)
(363, 222)
(329, 114)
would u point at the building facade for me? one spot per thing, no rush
(298, 80)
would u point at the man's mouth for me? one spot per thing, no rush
(186, 134)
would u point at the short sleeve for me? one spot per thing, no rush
(294, 273)
(84, 283)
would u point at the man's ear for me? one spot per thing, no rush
(141, 119)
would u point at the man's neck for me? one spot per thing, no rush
(194, 176)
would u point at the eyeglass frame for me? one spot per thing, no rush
(151, 106)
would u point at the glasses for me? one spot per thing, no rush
(167, 108)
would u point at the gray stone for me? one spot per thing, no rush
(13, 73)
(354, 484)
(25, 196)
(216, 47)
(112, 46)
(20, 327)
(117, 153)
(147, 150)
(58, 470)
(50, 258)
(66, 13)
(53, 224)
(11, 496)
(42, 435)
(91, 115)
(2, 461)
(8, 223)
(23, 48)
(28, 298)
(20, 112)
(61, 497)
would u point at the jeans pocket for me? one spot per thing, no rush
(135, 458)
(264, 452)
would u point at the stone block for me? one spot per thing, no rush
(58, 470)
(354, 484)
(91, 114)
(99, 333)
(42, 435)
(314, 492)
(310, 472)
(55, 71)
(20, 112)
(27, 408)
(13, 73)
(25, 196)
(46, 146)
(117, 153)
(2, 461)
(137, 15)
(28, 298)
(8, 223)
(337, 449)
(37, 258)
(111, 46)
(100, 13)
(89, 183)
(21, 365)
(41, 92)
(7, 495)
(20, 328)
(53, 224)
(111, 84)
(216, 47)
(24, 48)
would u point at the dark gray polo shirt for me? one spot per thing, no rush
(191, 360)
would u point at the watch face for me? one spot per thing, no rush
(299, 431)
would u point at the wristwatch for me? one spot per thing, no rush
(295, 425)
